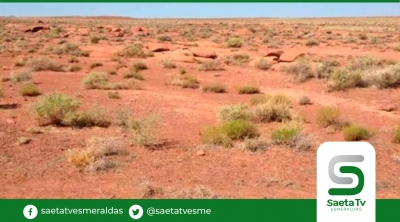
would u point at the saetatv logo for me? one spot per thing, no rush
(346, 182)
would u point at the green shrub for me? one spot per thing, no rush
(95, 80)
(29, 90)
(248, 90)
(234, 112)
(291, 135)
(396, 135)
(169, 64)
(239, 129)
(300, 71)
(133, 75)
(285, 135)
(263, 64)
(44, 64)
(185, 81)
(328, 116)
(132, 51)
(234, 43)
(214, 135)
(21, 76)
(216, 88)
(356, 133)
(53, 108)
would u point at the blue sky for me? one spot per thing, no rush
(201, 10)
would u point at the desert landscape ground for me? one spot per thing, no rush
(110, 107)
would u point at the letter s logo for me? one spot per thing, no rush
(346, 180)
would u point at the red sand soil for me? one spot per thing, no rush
(40, 169)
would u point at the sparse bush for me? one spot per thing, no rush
(327, 68)
(95, 39)
(259, 99)
(239, 129)
(234, 43)
(95, 80)
(363, 36)
(396, 135)
(75, 68)
(165, 38)
(132, 51)
(169, 64)
(20, 63)
(263, 64)
(342, 79)
(113, 95)
(95, 65)
(54, 108)
(248, 90)
(268, 112)
(356, 133)
(138, 66)
(1, 91)
(73, 59)
(94, 158)
(185, 81)
(237, 59)
(134, 75)
(254, 145)
(312, 42)
(44, 64)
(302, 142)
(144, 131)
(29, 90)
(93, 117)
(21, 76)
(328, 116)
(68, 48)
(300, 71)
(387, 77)
(234, 112)
(216, 88)
(304, 100)
(212, 65)
(364, 63)
(214, 135)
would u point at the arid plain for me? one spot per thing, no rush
(112, 107)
